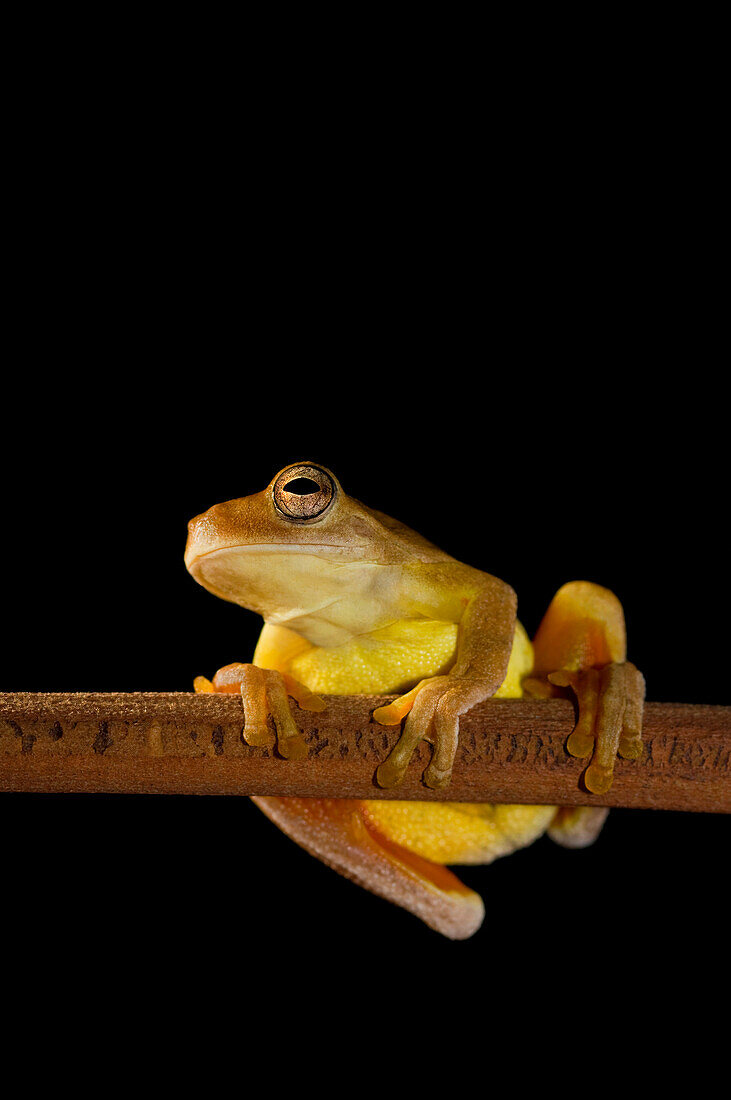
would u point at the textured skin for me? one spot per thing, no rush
(341, 834)
(355, 602)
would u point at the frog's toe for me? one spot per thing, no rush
(418, 726)
(290, 741)
(630, 740)
(450, 702)
(391, 772)
(434, 717)
(254, 696)
(392, 714)
(445, 738)
(264, 696)
(306, 699)
(610, 703)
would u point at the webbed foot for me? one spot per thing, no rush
(264, 693)
(611, 701)
(433, 708)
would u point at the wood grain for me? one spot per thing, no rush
(510, 751)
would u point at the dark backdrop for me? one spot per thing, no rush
(546, 409)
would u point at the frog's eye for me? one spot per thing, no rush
(303, 493)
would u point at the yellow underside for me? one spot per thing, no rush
(389, 660)
(392, 660)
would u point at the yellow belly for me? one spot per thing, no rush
(395, 658)
(392, 660)
(459, 832)
(389, 660)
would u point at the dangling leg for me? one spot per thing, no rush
(342, 833)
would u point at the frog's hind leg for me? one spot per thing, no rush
(342, 834)
(581, 644)
(582, 628)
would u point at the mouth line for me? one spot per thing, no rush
(288, 547)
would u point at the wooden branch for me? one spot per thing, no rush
(510, 751)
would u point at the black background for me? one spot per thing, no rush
(532, 382)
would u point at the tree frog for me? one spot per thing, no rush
(354, 602)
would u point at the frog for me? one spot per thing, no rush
(355, 602)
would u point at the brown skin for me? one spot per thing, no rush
(327, 569)
(373, 570)
(354, 601)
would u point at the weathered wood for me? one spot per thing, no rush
(510, 751)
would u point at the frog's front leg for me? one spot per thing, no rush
(434, 705)
(264, 693)
(581, 645)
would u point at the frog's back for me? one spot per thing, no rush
(405, 538)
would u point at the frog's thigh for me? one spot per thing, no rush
(342, 834)
(582, 628)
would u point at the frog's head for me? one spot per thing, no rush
(285, 548)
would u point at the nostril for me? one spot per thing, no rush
(195, 522)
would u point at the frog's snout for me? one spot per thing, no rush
(223, 526)
(199, 540)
